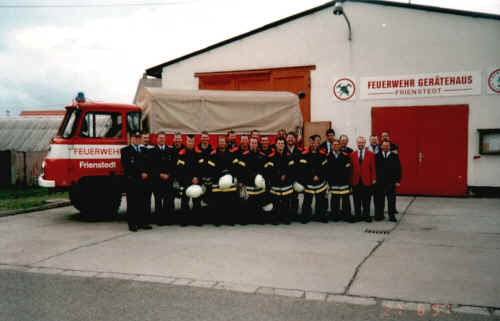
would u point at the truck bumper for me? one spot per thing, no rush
(45, 183)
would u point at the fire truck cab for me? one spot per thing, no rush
(84, 157)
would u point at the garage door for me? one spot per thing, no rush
(433, 146)
(293, 79)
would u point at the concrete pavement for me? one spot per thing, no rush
(443, 251)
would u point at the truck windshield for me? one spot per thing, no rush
(133, 122)
(68, 126)
(101, 125)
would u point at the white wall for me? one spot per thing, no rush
(385, 41)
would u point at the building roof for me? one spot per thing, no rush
(42, 113)
(27, 134)
(156, 71)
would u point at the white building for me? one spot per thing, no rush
(425, 74)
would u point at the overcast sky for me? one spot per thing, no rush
(50, 49)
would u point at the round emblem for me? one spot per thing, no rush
(494, 81)
(344, 89)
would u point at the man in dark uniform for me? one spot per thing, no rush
(338, 172)
(231, 140)
(265, 146)
(388, 178)
(223, 200)
(255, 134)
(204, 146)
(205, 149)
(190, 167)
(146, 149)
(312, 175)
(250, 163)
(281, 134)
(243, 147)
(177, 143)
(133, 165)
(327, 145)
(295, 153)
(163, 170)
(385, 137)
(344, 140)
(280, 168)
(346, 150)
(373, 147)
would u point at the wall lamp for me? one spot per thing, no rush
(338, 9)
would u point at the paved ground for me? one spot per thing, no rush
(443, 251)
(43, 297)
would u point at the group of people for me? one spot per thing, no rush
(256, 181)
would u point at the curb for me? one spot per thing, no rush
(388, 307)
(35, 209)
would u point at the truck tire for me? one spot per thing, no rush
(96, 199)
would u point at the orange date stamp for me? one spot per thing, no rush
(422, 310)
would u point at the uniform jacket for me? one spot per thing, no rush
(296, 153)
(312, 164)
(175, 150)
(147, 152)
(205, 152)
(269, 152)
(190, 164)
(346, 150)
(221, 163)
(278, 165)
(132, 162)
(162, 161)
(249, 165)
(338, 169)
(374, 148)
(326, 146)
(388, 169)
(231, 145)
(237, 151)
(363, 173)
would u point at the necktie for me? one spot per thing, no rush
(361, 157)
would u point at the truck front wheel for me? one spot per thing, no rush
(96, 198)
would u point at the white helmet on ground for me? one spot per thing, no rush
(268, 208)
(259, 181)
(194, 191)
(299, 188)
(226, 181)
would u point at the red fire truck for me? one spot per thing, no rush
(84, 157)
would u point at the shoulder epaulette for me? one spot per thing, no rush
(262, 153)
(196, 149)
(305, 151)
(345, 153)
(268, 164)
(182, 151)
(234, 149)
(245, 152)
(322, 151)
(272, 153)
